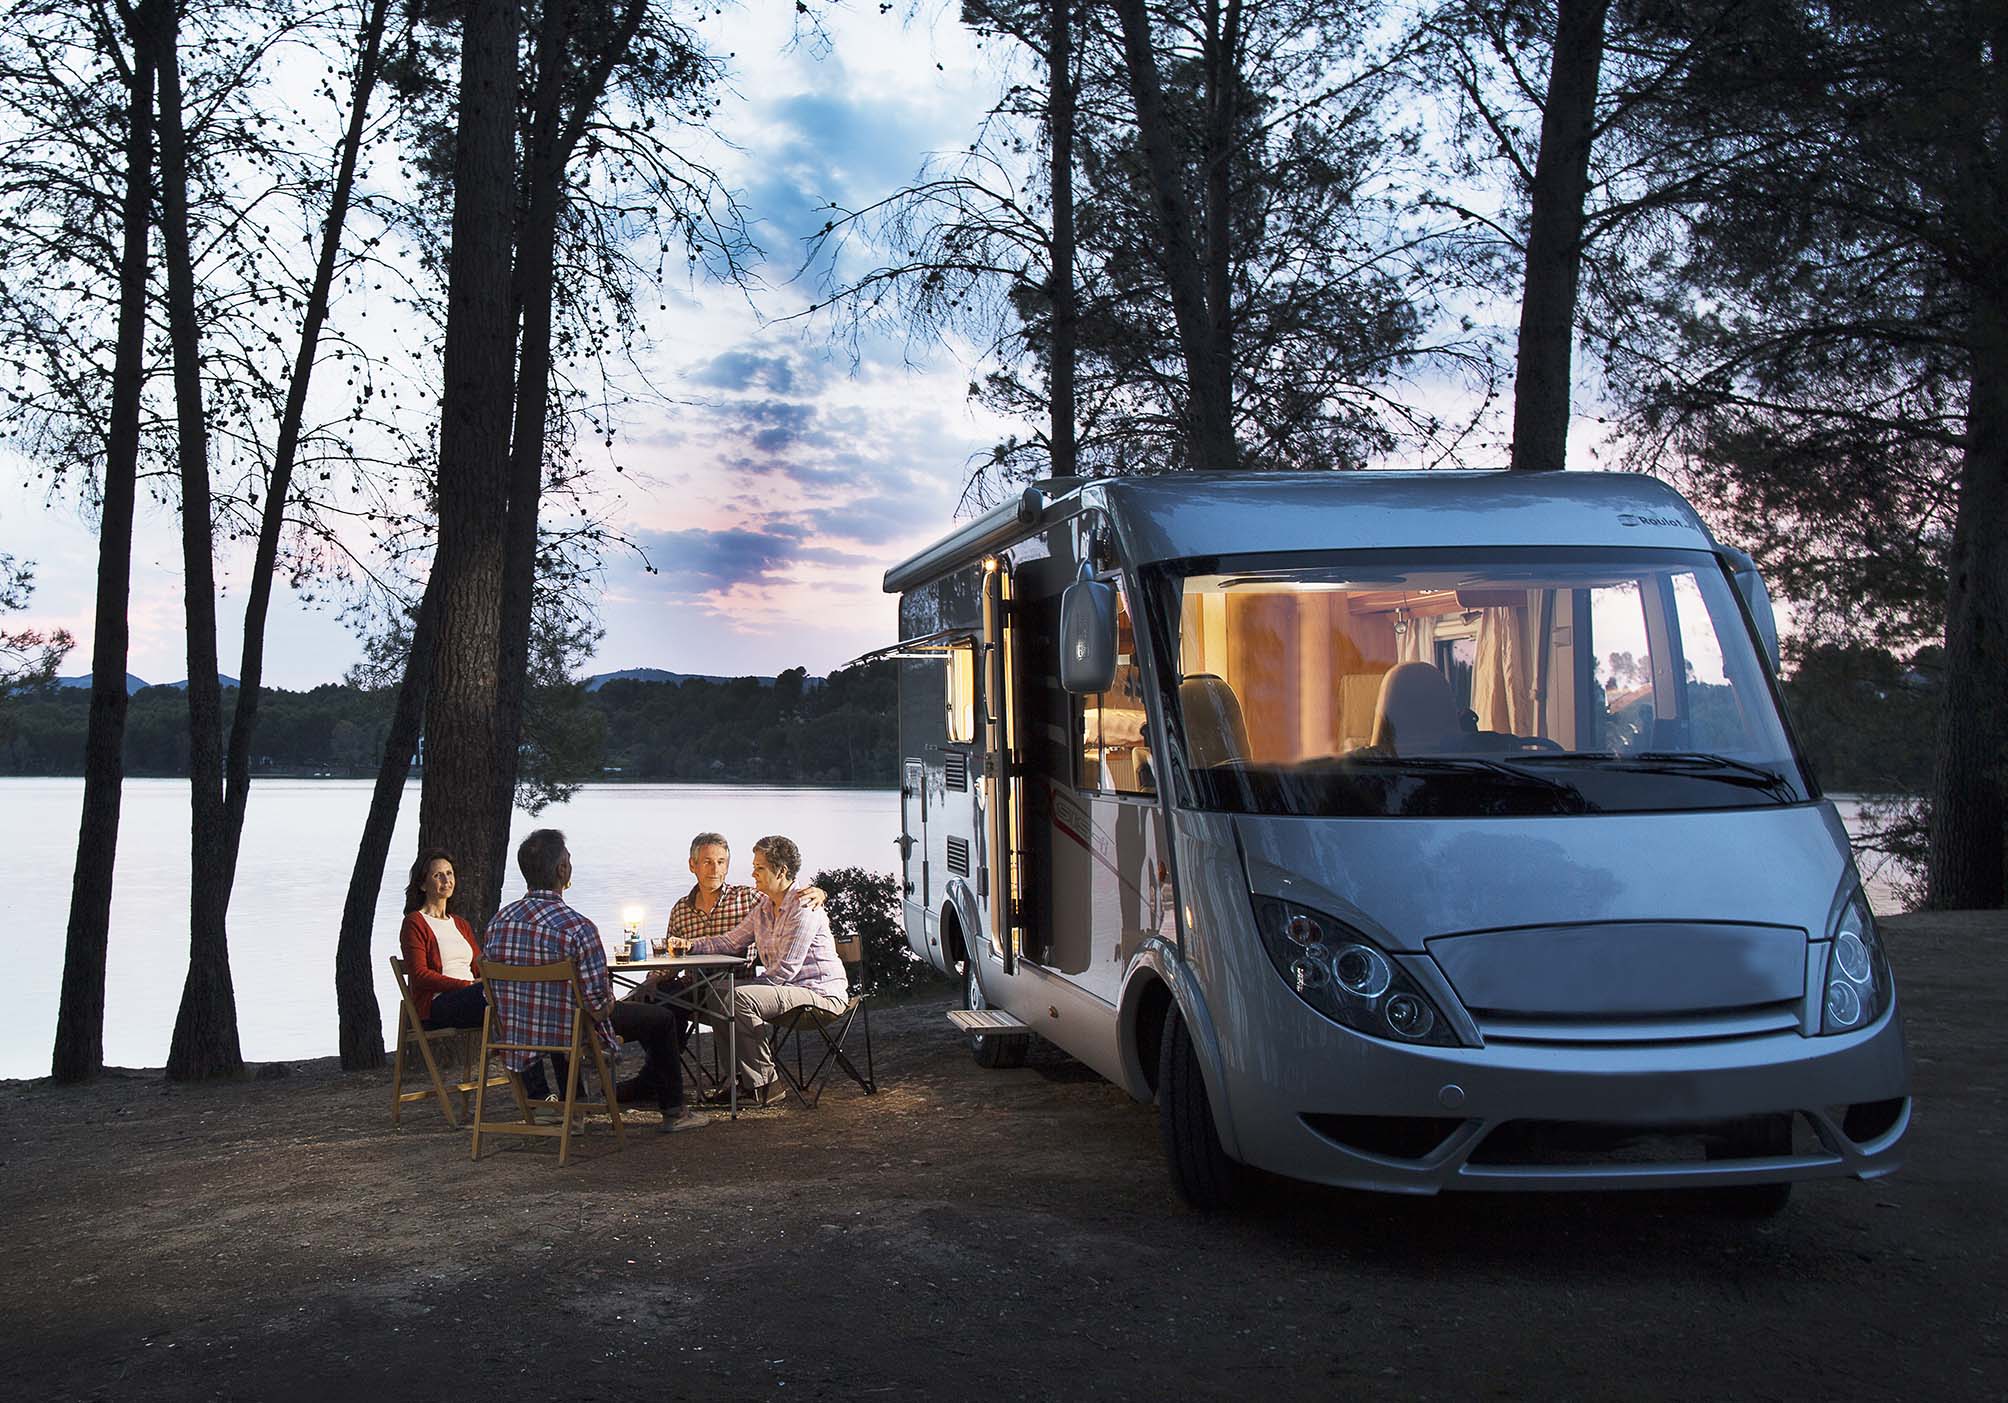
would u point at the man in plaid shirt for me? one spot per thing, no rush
(541, 929)
(712, 906)
(798, 959)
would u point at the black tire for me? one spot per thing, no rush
(991, 1049)
(1201, 1172)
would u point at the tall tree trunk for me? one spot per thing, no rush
(1968, 812)
(1209, 416)
(205, 1029)
(1066, 317)
(1223, 95)
(80, 1018)
(554, 134)
(258, 600)
(543, 178)
(361, 1021)
(454, 808)
(1555, 239)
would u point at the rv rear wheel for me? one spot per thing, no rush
(990, 1049)
(1200, 1169)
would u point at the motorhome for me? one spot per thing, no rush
(1402, 831)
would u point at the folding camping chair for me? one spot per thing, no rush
(412, 1033)
(582, 1040)
(834, 1030)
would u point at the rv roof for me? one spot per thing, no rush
(1182, 515)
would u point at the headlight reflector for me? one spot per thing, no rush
(1362, 971)
(1346, 977)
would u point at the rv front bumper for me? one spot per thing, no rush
(1334, 1107)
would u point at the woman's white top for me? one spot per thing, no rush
(456, 956)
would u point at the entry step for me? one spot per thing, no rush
(985, 1020)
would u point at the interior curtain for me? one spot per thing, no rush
(1502, 678)
(1418, 644)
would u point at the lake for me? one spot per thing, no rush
(628, 846)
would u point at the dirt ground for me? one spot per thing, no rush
(963, 1233)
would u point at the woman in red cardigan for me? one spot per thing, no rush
(441, 955)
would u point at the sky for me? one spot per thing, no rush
(772, 495)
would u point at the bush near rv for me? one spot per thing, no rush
(869, 904)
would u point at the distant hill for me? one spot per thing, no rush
(136, 684)
(592, 684)
(656, 674)
(182, 686)
(133, 684)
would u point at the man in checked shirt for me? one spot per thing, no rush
(798, 961)
(711, 907)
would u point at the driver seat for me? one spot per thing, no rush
(1415, 713)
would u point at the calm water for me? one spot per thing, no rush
(628, 845)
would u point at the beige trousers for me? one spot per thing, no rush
(754, 1009)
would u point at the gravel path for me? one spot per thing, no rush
(963, 1233)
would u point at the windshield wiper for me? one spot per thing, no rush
(1693, 762)
(1468, 765)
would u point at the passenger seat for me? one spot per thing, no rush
(1215, 732)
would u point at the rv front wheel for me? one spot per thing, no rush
(1200, 1169)
(990, 1049)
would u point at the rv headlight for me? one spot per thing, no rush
(1858, 983)
(1346, 977)
(1362, 971)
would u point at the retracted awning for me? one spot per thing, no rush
(921, 647)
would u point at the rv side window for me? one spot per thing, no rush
(961, 698)
(1116, 753)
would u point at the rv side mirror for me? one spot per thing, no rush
(1757, 599)
(1088, 636)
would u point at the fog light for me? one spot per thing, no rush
(1409, 1016)
(1362, 971)
(1844, 1005)
(1305, 931)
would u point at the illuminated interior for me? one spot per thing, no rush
(1279, 667)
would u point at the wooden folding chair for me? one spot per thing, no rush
(412, 1033)
(582, 1039)
(833, 1028)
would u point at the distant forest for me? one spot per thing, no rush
(789, 729)
(1867, 721)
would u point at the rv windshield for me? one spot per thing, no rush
(1471, 684)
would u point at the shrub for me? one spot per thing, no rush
(868, 904)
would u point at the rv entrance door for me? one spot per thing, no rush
(1003, 768)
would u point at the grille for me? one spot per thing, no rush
(958, 856)
(955, 770)
(1683, 1028)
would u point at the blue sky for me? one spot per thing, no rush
(772, 494)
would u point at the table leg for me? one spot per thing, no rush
(731, 1005)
